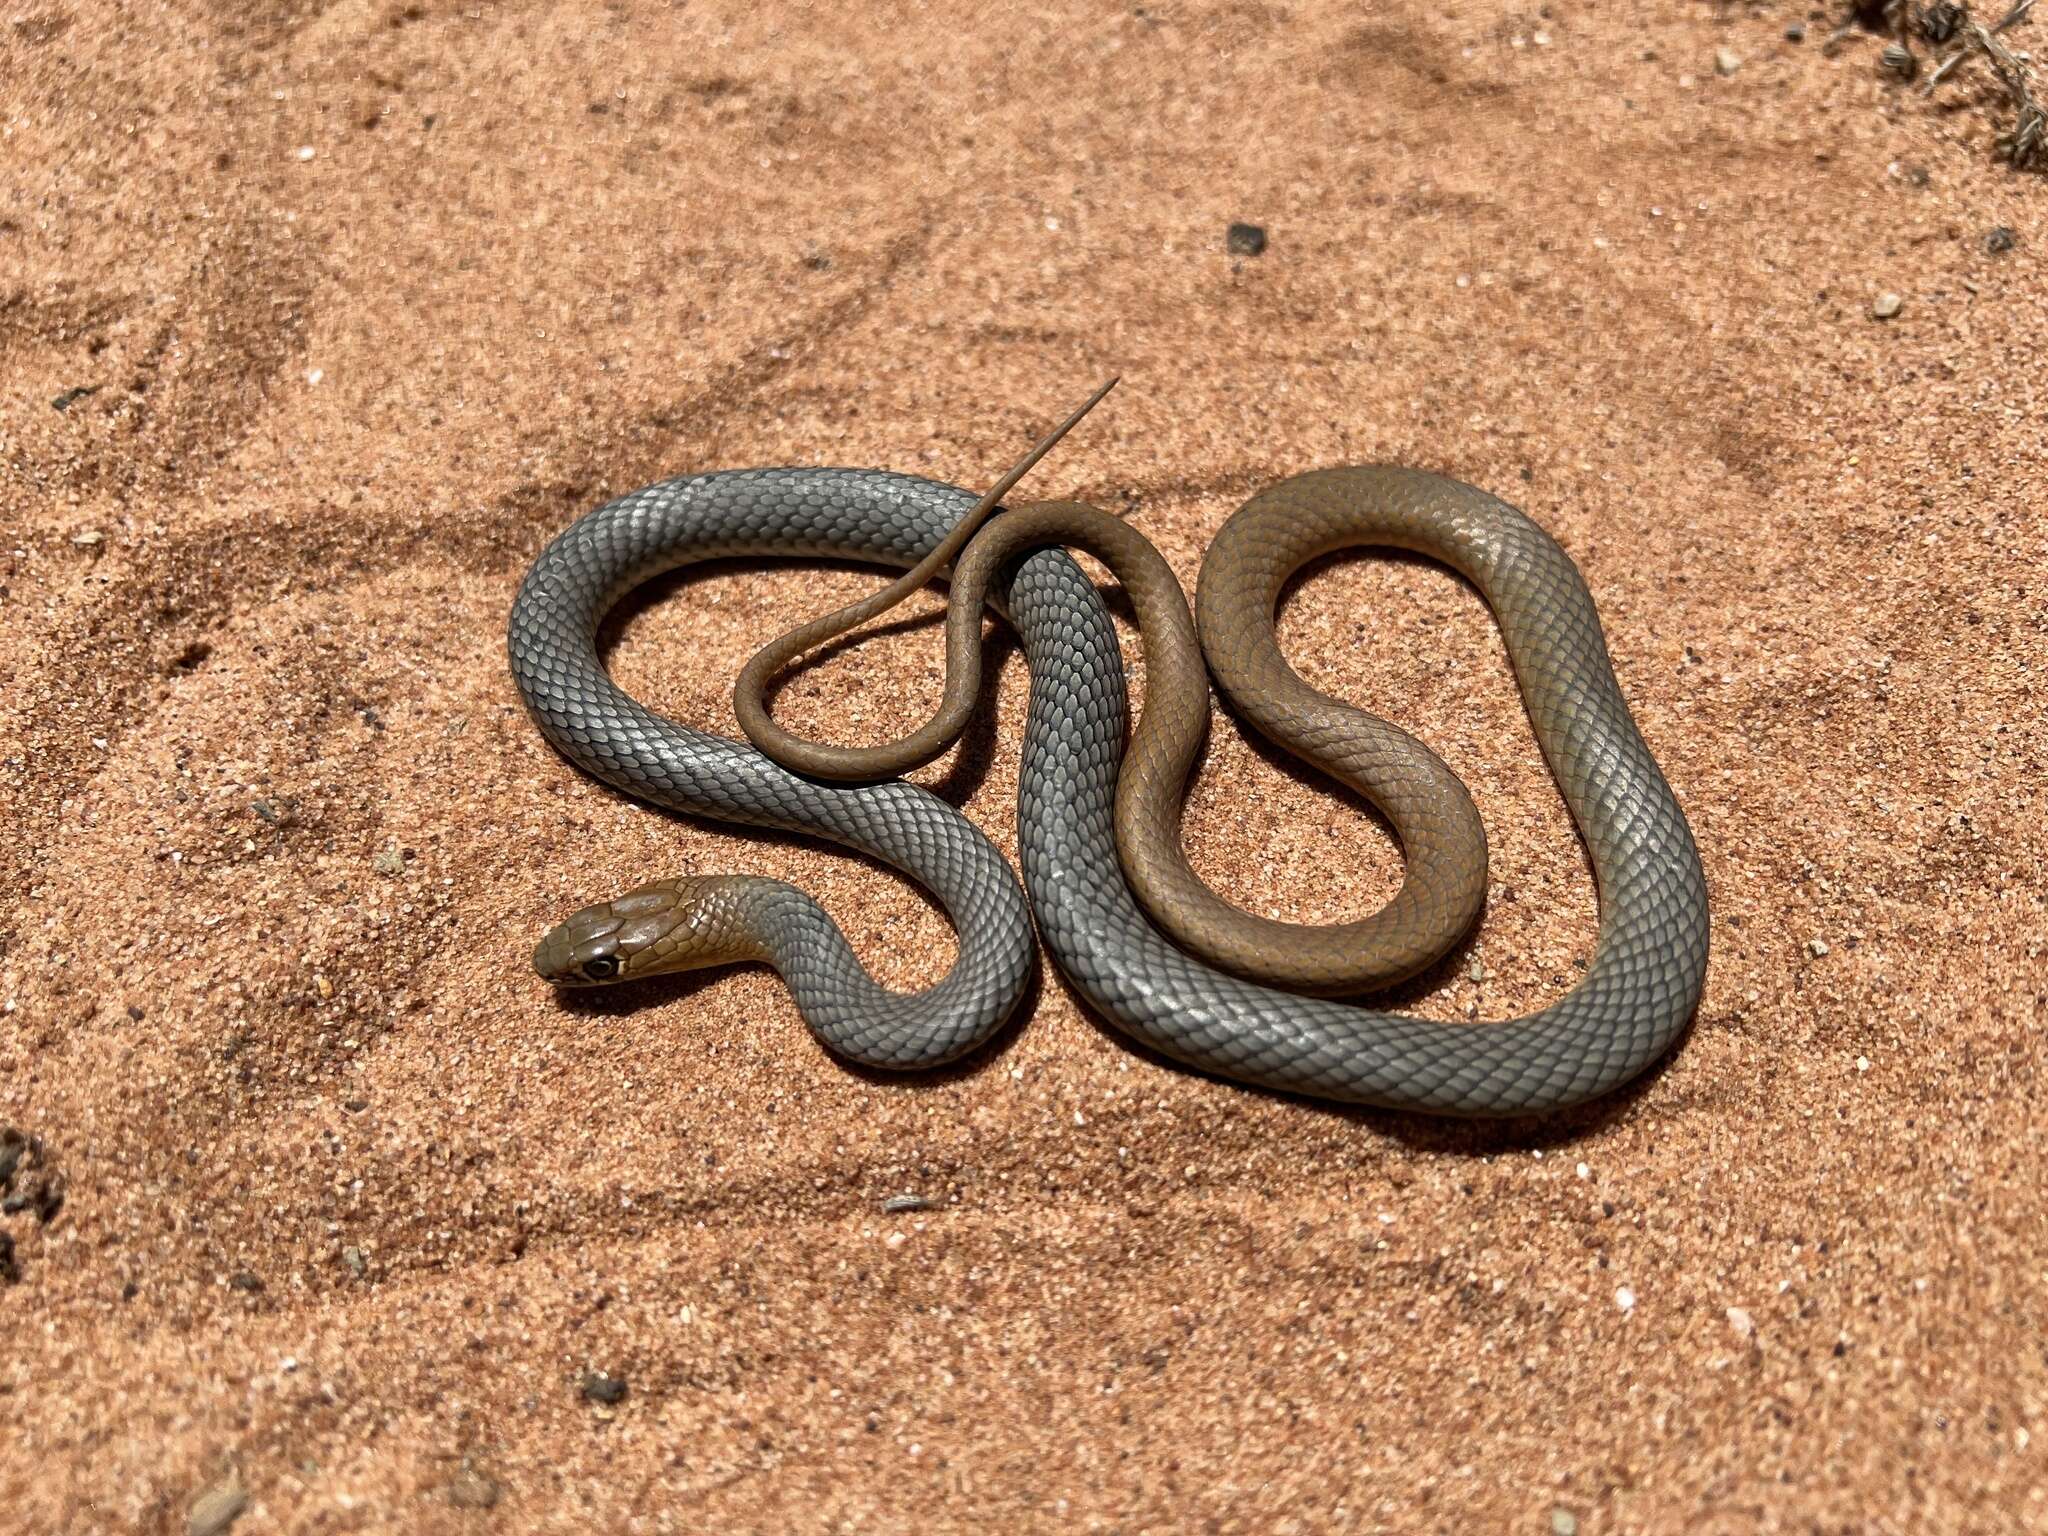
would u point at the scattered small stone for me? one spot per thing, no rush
(896, 1205)
(9, 1270)
(89, 539)
(600, 1388)
(135, 1014)
(1625, 1298)
(1563, 1523)
(353, 1258)
(1246, 240)
(1726, 61)
(471, 1489)
(817, 258)
(1817, 947)
(1742, 1322)
(1796, 33)
(389, 862)
(216, 1509)
(71, 397)
(245, 1282)
(355, 1106)
(1999, 239)
(13, 1148)
(1476, 970)
(1899, 60)
(1886, 305)
(42, 1193)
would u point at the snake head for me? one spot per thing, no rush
(668, 925)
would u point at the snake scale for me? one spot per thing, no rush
(1205, 1000)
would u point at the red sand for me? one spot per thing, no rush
(373, 299)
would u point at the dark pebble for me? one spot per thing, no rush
(897, 1205)
(2000, 239)
(71, 397)
(13, 1147)
(1796, 33)
(600, 1388)
(9, 1270)
(242, 1280)
(135, 1013)
(39, 1192)
(1245, 240)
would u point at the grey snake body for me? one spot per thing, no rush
(1639, 989)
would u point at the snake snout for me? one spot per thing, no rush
(582, 952)
(668, 925)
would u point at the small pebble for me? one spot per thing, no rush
(353, 1258)
(391, 861)
(243, 1281)
(1563, 1523)
(88, 538)
(9, 1270)
(471, 1489)
(1625, 1298)
(1742, 1322)
(216, 1509)
(600, 1388)
(896, 1205)
(1246, 240)
(1796, 33)
(1817, 947)
(1999, 239)
(1726, 61)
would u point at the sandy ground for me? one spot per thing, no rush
(318, 319)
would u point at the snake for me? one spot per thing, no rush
(1137, 936)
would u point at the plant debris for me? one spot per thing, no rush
(1949, 25)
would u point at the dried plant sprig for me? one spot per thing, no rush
(2023, 146)
(1950, 21)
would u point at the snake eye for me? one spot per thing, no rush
(603, 968)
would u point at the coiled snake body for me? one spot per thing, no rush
(1636, 996)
